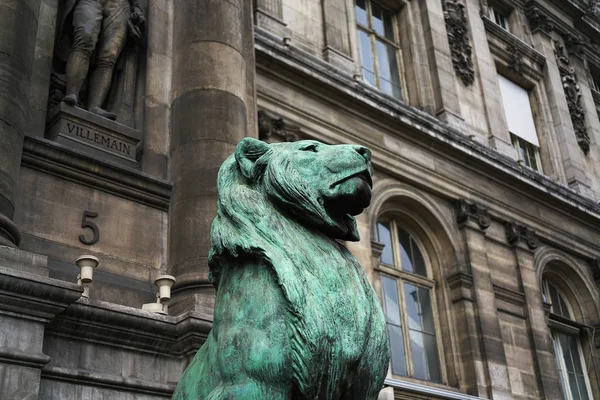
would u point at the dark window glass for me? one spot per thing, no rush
(384, 236)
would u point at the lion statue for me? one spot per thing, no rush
(295, 316)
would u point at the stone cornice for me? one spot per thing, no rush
(34, 296)
(53, 158)
(100, 321)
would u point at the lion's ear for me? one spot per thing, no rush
(247, 152)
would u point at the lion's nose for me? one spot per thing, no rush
(364, 152)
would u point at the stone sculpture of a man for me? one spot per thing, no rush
(100, 29)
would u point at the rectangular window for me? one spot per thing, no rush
(519, 118)
(379, 50)
(498, 17)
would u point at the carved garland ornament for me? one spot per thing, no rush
(458, 38)
(573, 94)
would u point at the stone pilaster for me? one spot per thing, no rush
(337, 49)
(473, 221)
(570, 152)
(18, 27)
(524, 242)
(498, 134)
(447, 105)
(212, 110)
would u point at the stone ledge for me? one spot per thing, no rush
(122, 326)
(268, 47)
(9, 355)
(53, 158)
(120, 383)
(32, 296)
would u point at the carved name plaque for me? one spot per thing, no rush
(100, 137)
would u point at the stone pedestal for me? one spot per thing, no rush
(94, 135)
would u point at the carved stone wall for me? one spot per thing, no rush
(458, 38)
(573, 94)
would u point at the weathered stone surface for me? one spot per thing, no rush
(295, 316)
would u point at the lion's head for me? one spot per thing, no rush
(263, 188)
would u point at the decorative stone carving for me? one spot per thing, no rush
(516, 232)
(516, 62)
(458, 38)
(273, 129)
(90, 42)
(574, 44)
(467, 210)
(537, 20)
(594, 9)
(573, 95)
(283, 280)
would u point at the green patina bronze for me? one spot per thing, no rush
(295, 316)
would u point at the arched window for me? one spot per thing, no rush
(567, 346)
(407, 292)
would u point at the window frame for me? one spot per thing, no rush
(494, 14)
(373, 37)
(568, 326)
(519, 143)
(402, 277)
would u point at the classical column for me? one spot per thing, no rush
(524, 242)
(18, 27)
(213, 108)
(473, 221)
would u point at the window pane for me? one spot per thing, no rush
(377, 20)
(404, 241)
(426, 310)
(397, 349)
(361, 12)
(417, 258)
(366, 57)
(433, 361)
(417, 348)
(388, 69)
(412, 307)
(384, 236)
(389, 288)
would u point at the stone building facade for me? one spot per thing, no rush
(482, 239)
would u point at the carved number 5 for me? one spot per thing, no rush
(89, 224)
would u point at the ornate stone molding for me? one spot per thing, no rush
(515, 62)
(574, 44)
(275, 129)
(458, 38)
(573, 95)
(467, 210)
(594, 9)
(377, 248)
(516, 232)
(537, 20)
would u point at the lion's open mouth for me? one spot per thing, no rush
(362, 174)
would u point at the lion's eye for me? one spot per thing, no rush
(310, 147)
